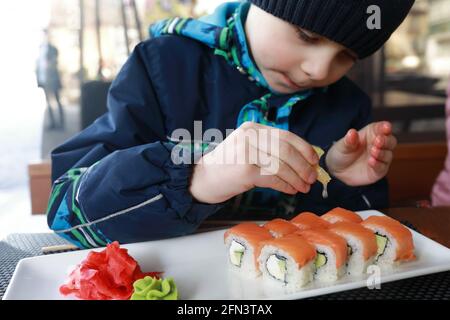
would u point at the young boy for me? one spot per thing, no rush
(271, 67)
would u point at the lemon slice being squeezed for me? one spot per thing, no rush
(322, 176)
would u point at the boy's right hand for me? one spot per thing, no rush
(274, 158)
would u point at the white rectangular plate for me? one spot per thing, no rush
(198, 263)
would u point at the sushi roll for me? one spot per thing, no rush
(331, 251)
(242, 242)
(394, 241)
(341, 215)
(361, 246)
(308, 220)
(280, 227)
(287, 262)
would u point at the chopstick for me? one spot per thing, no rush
(59, 248)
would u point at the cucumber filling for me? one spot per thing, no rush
(236, 253)
(276, 266)
(382, 242)
(321, 260)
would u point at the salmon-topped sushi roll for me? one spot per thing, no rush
(361, 245)
(341, 215)
(331, 251)
(394, 240)
(308, 220)
(280, 228)
(287, 262)
(242, 242)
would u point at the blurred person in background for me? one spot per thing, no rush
(48, 78)
(440, 195)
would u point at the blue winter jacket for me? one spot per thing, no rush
(116, 180)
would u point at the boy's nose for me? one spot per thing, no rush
(317, 69)
(318, 65)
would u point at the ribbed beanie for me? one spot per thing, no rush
(343, 21)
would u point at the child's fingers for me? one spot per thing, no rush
(268, 180)
(379, 167)
(277, 167)
(303, 147)
(351, 138)
(383, 128)
(385, 142)
(379, 142)
(384, 156)
(287, 155)
(391, 143)
(351, 142)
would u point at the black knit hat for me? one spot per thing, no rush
(343, 21)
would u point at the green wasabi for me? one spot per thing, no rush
(150, 288)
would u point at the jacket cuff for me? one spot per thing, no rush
(176, 190)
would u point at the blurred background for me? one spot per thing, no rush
(59, 57)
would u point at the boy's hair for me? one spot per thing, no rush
(347, 22)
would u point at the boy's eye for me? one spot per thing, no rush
(305, 36)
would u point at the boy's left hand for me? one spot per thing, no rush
(363, 157)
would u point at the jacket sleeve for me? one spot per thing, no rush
(374, 196)
(116, 181)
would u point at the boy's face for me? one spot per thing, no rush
(293, 59)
